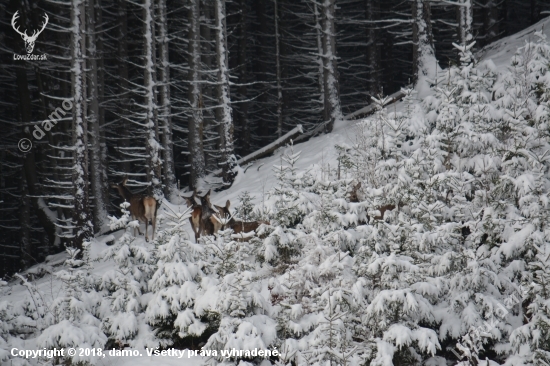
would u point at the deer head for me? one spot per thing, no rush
(29, 40)
(122, 190)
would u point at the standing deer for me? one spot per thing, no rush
(206, 212)
(196, 215)
(144, 208)
(353, 197)
(223, 219)
(29, 40)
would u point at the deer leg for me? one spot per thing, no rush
(154, 223)
(146, 229)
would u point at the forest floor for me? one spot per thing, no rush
(317, 153)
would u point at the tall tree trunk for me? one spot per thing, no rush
(82, 219)
(123, 87)
(101, 96)
(278, 70)
(262, 130)
(29, 164)
(196, 150)
(224, 110)
(169, 178)
(491, 21)
(372, 10)
(319, 39)
(152, 146)
(332, 108)
(243, 78)
(97, 160)
(465, 21)
(208, 91)
(25, 222)
(424, 62)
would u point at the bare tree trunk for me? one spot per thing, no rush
(154, 161)
(97, 174)
(81, 217)
(332, 110)
(101, 96)
(465, 21)
(423, 51)
(261, 68)
(319, 39)
(278, 70)
(195, 138)
(372, 10)
(25, 222)
(169, 178)
(491, 21)
(224, 110)
(243, 78)
(29, 165)
(123, 87)
(208, 91)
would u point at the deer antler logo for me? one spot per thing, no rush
(29, 40)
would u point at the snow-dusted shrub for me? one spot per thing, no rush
(77, 324)
(124, 287)
(176, 285)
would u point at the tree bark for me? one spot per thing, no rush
(243, 78)
(319, 39)
(195, 138)
(278, 72)
(169, 178)
(372, 10)
(224, 110)
(97, 160)
(423, 51)
(261, 67)
(152, 146)
(491, 21)
(465, 21)
(29, 164)
(81, 216)
(123, 88)
(25, 222)
(332, 108)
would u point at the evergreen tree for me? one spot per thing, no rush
(125, 285)
(77, 318)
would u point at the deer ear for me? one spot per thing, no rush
(113, 185)
(124, 181)
(227, 204)
(219, 208)
(188, 201)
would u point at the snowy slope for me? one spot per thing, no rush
(320, 150)
(257, 180)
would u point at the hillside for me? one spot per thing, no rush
(313, 191)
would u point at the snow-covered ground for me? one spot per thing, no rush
(257, 180)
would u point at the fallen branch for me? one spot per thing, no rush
(370, 109)
(268, 149)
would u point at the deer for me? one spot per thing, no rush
(196, 215)
(353, 197)
(206, 213)
(29, 40)
(223, 219)
(142, 207)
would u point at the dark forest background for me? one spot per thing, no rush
(170, 91)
